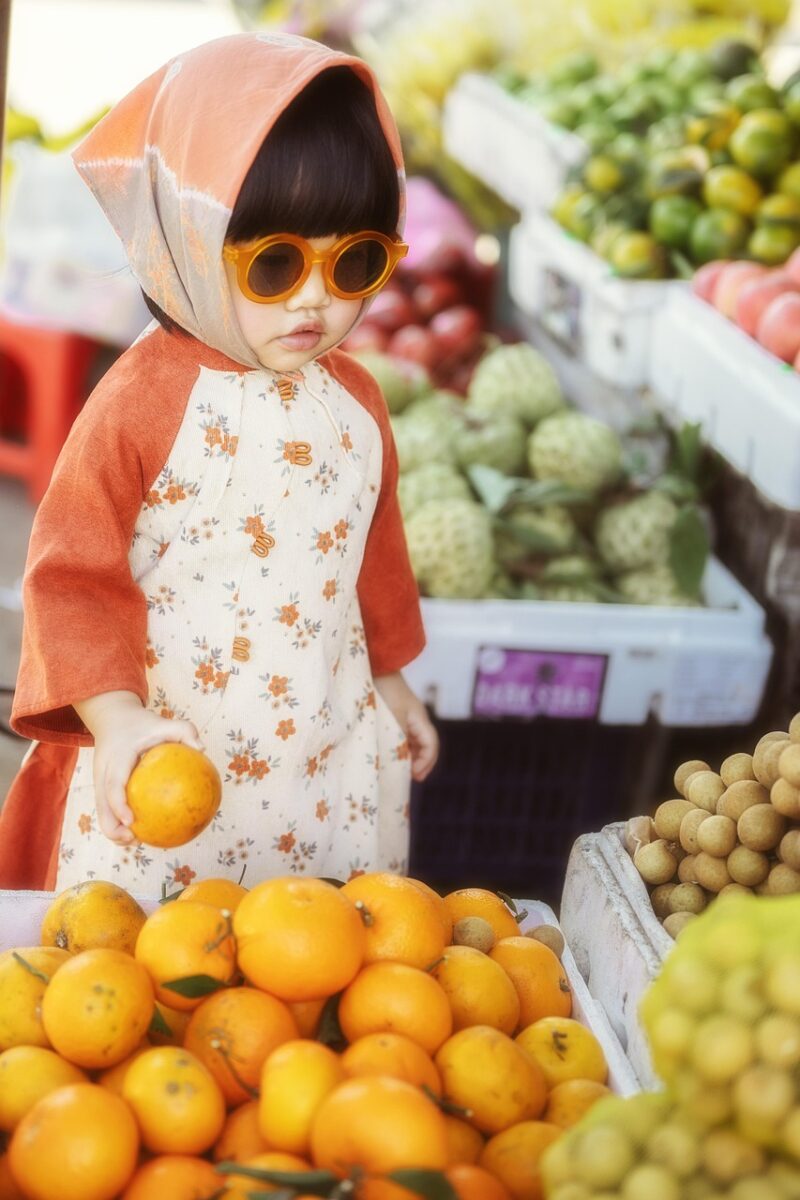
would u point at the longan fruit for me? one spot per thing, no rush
(789, 764)
(761, 827)
(660, 897)
(748, 867)
(654, 862)
(686, 869)
(777, 735)
(669, 816)
(675, 923)
(789, 849)
(785, 799)
(735, 889)
(794, 728)
(737, 768)
(711, 873)
(717, 836)
(549, 936)
(741, 796)
(685, 771)
(781, 881)
(766, 760)
(689, 828)
(474, 932)
(687, 897)
(705, 789)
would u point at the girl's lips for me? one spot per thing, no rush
(306, 339)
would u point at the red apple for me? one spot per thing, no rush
(416, 343)
(457, 329)
(705, 280)
(756, 296)
(434, 293)
(779, 328)
(392, 309)
(732, 278)
(366, 337)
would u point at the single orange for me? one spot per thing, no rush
(478, 989)
(174, 1177)
(93, 915)
(395, 1055)
(97, 1008)
(307, 1013)
(178, 941)
(514, 1157)
(174, 793)
(78, 1143)
(441, 908)
(300, 939)
(378, 1125)
(295, 1081)
(222, 893)
(489, 1075)
(241, 1138)
(27, 1073)
(24, 975)
(464, 1142)
(538, 976)
(475, 1183)
(403, 924)
(241, 1187)
(391, 997)
(568, 1102)
(564, 1049)
(176, 1100)
(168, 1026)
(233, 1032)
(114, 1077)
(478, 902)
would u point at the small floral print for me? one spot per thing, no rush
(253, 525)
(324, 541)
(306, 636)
(358, 642)
(325, 752)
(210, 674)
(286, 729)
(237, 853)
(153, 655)
(162, 602)
(174, 493)
(153, 498)
(181, 874)
(356, 869)
(324, 478)
(278, 691)
(323, 810)
(329, 591)
(402, 752)
(312, 766)
(347, 441)
(216, 434)
(85, 823)
(161, 704)
(286, 842)
(341, 529)
(244, 762)
(289, 614)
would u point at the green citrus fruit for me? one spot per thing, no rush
(637, 255)
(779, 210)
(773, 244)
(672, 218)
(763, 142)
(749, 92)
(733, 188)
(718, 233)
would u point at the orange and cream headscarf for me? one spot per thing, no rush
(166, 165)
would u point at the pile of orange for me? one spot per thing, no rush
(242, 1042)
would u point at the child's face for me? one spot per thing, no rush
(269, 329)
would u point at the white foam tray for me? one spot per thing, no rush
(687, 667)
(21, 918)
(507, 145)
(606, 321)
(704, 368)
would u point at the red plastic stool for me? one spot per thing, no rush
(54, 368)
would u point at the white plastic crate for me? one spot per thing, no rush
(507, 144)
(606, 321)
(614, 663)
(618, 944)
(21, 918)
(706, 369)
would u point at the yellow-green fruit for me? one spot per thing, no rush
(723, 1047)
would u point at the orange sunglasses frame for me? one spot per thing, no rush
(244, 257)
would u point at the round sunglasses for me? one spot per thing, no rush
(276, 266)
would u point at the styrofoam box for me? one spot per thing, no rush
(706, 369)
(686, 666)
(617, 942)
(507, 144)
(607, 321)
(21, 918)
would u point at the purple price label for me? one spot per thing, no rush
(538, 683)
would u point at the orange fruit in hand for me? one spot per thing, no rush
(489, 1075)
(78, 1143)
(174, 1177)
(379, 1125)
(444, 914)
(173, 792)
(300, 939)
(391, 997)
(181, 940)
(478, 989)
(392, 1054)
(176, 1100)
(475, 1183)
(478, 902)
(464, 1142)
(241, 1138)
(568, 1102)
(241, 1187)
(514, 1157)
(232, 1032)
(97, 1008)
(294, 1082)
(27, 1073)
(538, 976)
(564, 1049)
(307, 1013)
(24, 975)
(402, 923)
(93, 915)
(222, 893)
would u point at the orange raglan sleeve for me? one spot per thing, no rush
(387, 590)
(85, 618)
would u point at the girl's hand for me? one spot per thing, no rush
(123, 729)
(412, 717)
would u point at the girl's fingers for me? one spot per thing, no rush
(424, 742)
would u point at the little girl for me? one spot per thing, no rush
(220, 558)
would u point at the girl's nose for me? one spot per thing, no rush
(312, 294)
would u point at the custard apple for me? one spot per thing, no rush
(654, 585)
(576, 450)
(570, 569)
(425, 432)
(401, 381)
(515, 381)
(431, 481)
(451, 548)
(569, 593)
(636, 533)
(531, 532)
(497, 442)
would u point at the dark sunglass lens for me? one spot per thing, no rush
(360, 266)
(276, 269)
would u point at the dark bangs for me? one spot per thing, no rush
(324, 168)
